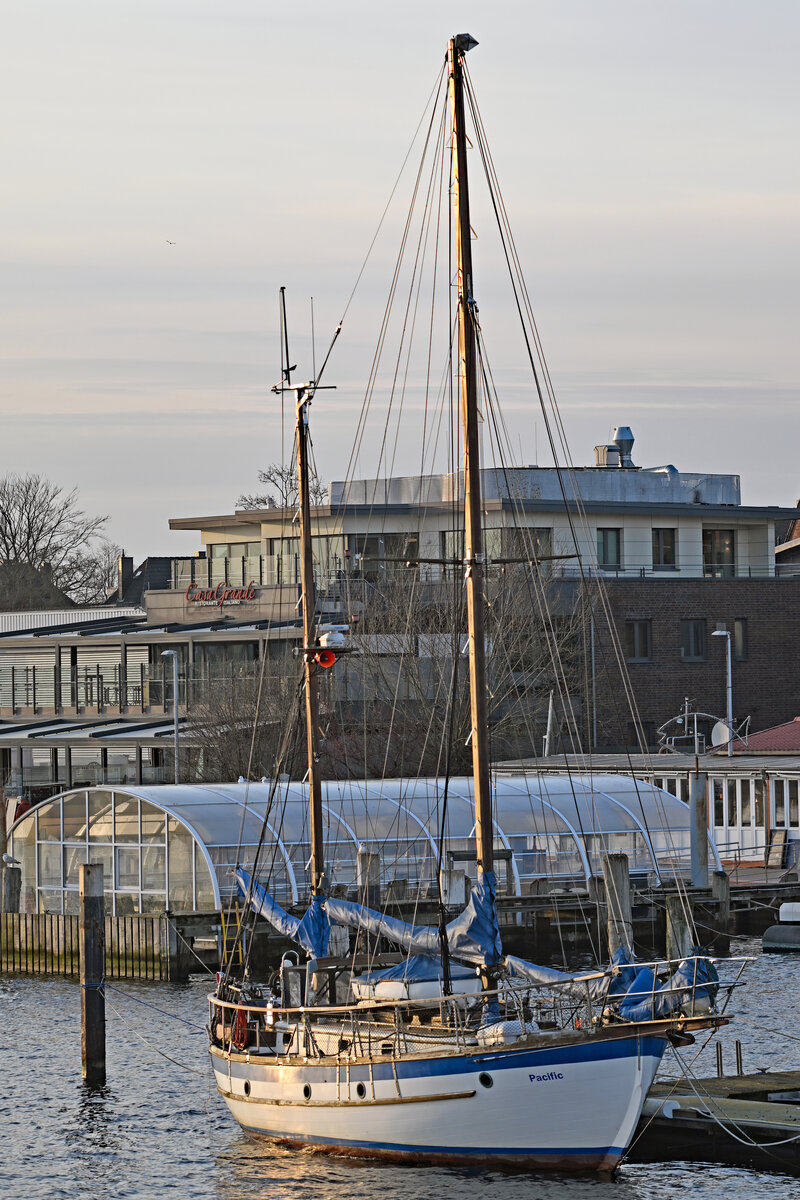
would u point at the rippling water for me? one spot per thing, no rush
(159, 1129)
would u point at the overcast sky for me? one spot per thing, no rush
(648, 157)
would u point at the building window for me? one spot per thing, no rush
(609, 549)
(693, 641)
(638, 641)
(719, 560)
(740, 638)
(664, 549)
(786, 806)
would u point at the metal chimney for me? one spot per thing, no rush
(623, 439)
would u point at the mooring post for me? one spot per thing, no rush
(618, 899)
(721, 892)
(11, 888)
(698, 830)
(679, 931)
(92, 956)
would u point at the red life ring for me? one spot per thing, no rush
(239, 1032)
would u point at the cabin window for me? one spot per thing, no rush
(780, 802)
(664, 549)
(794, 816)
(719, 810)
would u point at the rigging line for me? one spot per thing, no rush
(436, 87)
(289, 732)
(505, 229)
(383, 332)
(149, 1004)
(730, 1125)
(149, 1044)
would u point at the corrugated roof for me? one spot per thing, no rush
(21, 622)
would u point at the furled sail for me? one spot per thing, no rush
(473, 936)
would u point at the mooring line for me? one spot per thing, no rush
(150, 1045)
(149, 1004)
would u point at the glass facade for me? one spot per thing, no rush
(131, 837)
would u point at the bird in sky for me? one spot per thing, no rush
(169, 243)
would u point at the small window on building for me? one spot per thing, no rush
(794, 816)
(740, 638)
(664, 549)
(719, 560)
(719, 800)
(638, 641)
(219, 550)
(780, 802)
(747, 806)
(609, 548)
(693, 640)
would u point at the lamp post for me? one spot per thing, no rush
(173, 654)
(726, 633)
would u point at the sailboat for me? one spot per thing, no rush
(462, 1054)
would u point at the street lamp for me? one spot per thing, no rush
(173, 654)
(727, 634)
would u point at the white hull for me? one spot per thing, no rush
(573, 1106)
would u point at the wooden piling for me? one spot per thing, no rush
(721, 893)
(11, 880)
(679, 931)
(92, 955)
(618, 898)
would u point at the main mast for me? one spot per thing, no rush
(473, 530)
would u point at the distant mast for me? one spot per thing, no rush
(473, 532)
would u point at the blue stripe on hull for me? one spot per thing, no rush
(589, 1157)
(467, 1063)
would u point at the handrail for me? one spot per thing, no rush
(372, 1006)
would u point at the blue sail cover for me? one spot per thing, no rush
(473, 936)
(312, 931)
(695, 979)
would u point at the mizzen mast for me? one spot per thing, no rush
(303, 394)
(473, 531)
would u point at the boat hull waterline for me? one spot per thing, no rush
(506, 1106)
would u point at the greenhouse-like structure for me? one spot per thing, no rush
(175, 847)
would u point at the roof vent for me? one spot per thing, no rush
(606, 456)
(623, 440)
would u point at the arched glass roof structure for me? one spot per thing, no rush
(176, 846)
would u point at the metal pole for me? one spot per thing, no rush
(173, 654)
(730, 695)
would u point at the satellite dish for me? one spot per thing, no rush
(720, 734)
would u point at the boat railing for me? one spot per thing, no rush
(247, 1019)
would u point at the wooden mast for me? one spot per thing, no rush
(473, 531)
(303, 394)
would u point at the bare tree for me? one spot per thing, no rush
(43, 529)
(283, 492)
(239, 725)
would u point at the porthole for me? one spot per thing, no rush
(361, 1091)
(485, 1080)
(247, 1087)
(306, 1091)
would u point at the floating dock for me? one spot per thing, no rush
(745, 1120)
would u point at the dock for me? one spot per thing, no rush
(743, 1120)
